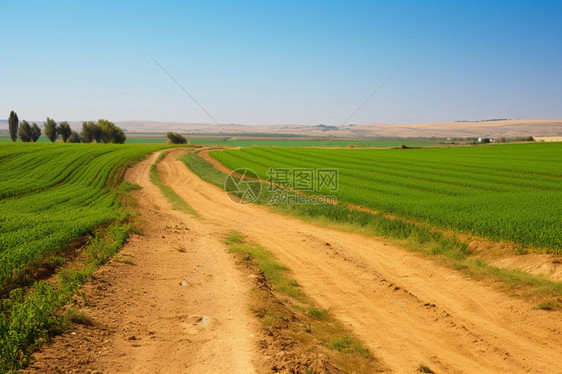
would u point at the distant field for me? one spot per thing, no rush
(309, 143)
(506, 192)
(272, 143)
(42, 139)
(287, 143)
(145, 140)
(51, 194)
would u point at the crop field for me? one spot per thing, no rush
(131, 140)
(509, 192)
(51, 194)
(309, 143)
(383, 143)
(286, 142)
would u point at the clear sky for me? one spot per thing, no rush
(266, 62)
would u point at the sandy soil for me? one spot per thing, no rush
(549, 266)
(548, 138)
(404, 307)
(413, 311)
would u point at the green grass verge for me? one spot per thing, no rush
(274, 272)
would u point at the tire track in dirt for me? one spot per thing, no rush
(454, 324)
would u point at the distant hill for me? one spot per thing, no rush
(495, 128)
(507, 128)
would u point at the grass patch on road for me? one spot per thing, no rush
(346, 344)
(177, 202)
(424, 369)
(286, 312)
(274, 272)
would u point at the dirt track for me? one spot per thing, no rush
(206, 327)
(413, 312)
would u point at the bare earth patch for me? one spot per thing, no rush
(549, 266)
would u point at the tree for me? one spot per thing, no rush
(13, 122)
(51, 130)
(176, 138)
(90, 132)
(64, 130)
(111, 133)
(35, 132)
(103, 131)
(74, 137)
(24, 131)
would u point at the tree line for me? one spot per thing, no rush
(102, 131)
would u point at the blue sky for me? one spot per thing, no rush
(265, 62)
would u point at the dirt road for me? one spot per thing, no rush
(206, 327)
(413, 311)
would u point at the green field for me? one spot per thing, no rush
(309, 143)
(505, 192)
(268, 143)
(42, 139)
(286, 143)
(52, 194)
(145, 140)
